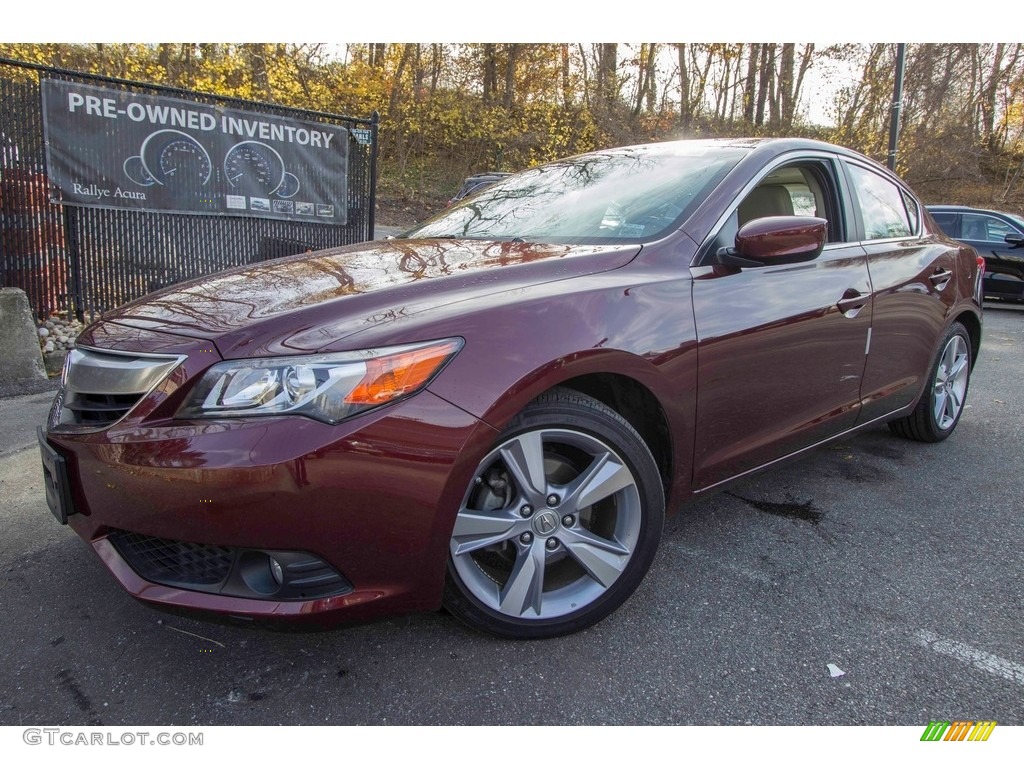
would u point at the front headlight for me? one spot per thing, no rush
(324, 387)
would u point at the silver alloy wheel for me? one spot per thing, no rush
(950, 385)
(550, 523)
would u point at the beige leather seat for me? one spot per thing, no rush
(767, 200)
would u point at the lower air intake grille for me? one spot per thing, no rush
(176, 563)
(256, 574)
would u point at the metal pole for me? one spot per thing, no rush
(374, 131)
(897, 105)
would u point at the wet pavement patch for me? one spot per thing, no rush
(858, 472)
(805, 511)
(885, 449)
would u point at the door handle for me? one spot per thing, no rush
(940, 278)
(852, 302)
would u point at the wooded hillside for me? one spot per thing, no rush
(449, 110)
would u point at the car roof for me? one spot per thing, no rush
(942, 208)
(764, 148)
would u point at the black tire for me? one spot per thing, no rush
(941, 405)
(602, 504)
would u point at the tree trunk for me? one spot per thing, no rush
(774, 113)
(805, 64)
(419, 74)
(435, 66)
(988, 99)
(255, 56)
(750, 87)
(641, 79)
(586, 77)
(377, 55)
(685, 110)
(765, 76)
(164, 59)
(786, 78)
(396, 82)
(652, 76)
(490, 73)
(722, 91)
(608, 77)
(737, 85)
(512, 54)
(700, 87)
(567, 98)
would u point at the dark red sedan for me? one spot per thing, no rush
(492, 412)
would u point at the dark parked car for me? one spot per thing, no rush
(492, 411)
(476, 183)
(997, 236)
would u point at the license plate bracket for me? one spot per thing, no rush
(55, 480)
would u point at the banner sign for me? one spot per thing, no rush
(117, 149)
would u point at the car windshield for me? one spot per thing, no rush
(623, 195)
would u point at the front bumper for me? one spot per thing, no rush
(374, 497)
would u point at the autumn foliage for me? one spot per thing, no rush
(448, 110)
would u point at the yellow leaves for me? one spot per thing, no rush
(453, 108)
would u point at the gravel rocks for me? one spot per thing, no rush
(58, 334)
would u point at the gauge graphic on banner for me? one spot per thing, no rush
(256, 169)
(175, 160)
(289, 185)
(136, 171)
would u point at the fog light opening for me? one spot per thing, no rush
(258, 571)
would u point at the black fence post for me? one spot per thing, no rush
(74, 265)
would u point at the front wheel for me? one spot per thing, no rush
(942, 403)
(559, 524)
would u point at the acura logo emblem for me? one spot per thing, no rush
(545, 522)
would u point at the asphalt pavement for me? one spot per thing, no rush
(875, 581)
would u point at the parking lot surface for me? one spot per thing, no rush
(875, 581)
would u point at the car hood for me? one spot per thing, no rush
(309, 303)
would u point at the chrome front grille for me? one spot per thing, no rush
(100, 387)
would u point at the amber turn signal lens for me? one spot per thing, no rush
(393, 376)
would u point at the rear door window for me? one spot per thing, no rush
(882, 205)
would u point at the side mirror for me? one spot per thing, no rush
(776, 240)
(1014, 240)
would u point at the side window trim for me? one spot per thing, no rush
(835, 187)
(904, 190)
(913, 217)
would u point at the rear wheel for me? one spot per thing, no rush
(560, 523)
(942, 403)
